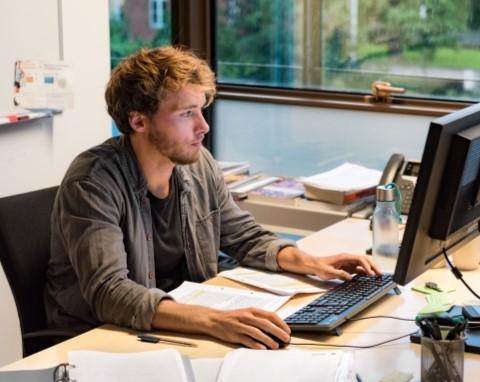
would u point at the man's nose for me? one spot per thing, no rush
(202, 124)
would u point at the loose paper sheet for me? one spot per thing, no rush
(43, 85)
(286, 366)
(284, 284)
(346, 177)
(226, 298)
(151, 366)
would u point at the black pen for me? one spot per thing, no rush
(456, 332)
(358, 378)
(436, 332)
(424, 328)
(154, 339)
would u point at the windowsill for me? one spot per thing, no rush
(399, 105)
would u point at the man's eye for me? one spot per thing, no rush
(188, 113)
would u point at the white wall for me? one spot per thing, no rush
(35, 155)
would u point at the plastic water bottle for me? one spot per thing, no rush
(385, 228)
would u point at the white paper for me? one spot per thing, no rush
(151, 366)
(254, 184)
(226, 298)
(43, 84)
(284, 284)
(206, 369)
(346, 177)
(224, 166)
(286, 366)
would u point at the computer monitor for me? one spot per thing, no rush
(445, 211)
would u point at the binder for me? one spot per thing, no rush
(58, 373)
(93, 366)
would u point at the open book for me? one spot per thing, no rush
(219, 297)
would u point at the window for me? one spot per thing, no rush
(429, 47)
(156, 14)
(138, 23)
(131, 28)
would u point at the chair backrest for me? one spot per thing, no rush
(24, 253)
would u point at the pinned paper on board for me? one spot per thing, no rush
(40, 84)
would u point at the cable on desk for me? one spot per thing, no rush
(458, 274)
(391, 317)
(352, 346)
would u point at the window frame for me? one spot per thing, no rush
(194, 26)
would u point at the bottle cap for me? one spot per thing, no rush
(385, 193)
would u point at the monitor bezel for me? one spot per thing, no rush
(418, 250)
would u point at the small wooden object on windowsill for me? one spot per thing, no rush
(382, 92)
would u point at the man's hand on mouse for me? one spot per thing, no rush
(250, 327)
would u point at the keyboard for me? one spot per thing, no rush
(333, 308)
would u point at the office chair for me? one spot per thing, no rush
(24, 253)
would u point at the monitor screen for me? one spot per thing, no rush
(445, 211)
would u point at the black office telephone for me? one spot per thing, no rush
(404, 173)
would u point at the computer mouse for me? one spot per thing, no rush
(281, 343)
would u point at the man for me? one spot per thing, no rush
(137, 215)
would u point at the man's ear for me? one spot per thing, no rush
(137, 121)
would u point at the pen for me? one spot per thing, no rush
(456, 332)
(154, 339)
(358, 378)
(434, 330)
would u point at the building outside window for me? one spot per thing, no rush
(156, 15)
(135, 24)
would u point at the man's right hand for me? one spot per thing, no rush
(249, 327)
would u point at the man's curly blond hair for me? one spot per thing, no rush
(143, 79)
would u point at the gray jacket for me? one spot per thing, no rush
(101, 268)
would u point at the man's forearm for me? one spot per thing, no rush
(174, 316)
(294, 260)
(341, 265)
(247, 326)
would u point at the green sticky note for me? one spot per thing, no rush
(437, 303)
(431, 309)
(439, 299)
(425, 290)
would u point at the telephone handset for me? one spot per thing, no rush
(404, 174)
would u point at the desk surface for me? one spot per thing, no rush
(350, 235)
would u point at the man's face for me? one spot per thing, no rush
(177, 129)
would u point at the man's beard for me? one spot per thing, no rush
(170, 149)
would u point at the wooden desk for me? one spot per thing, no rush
(349, 235)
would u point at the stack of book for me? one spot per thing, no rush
(241, 188)
(344, 185)
(234, 171)
(283, 190)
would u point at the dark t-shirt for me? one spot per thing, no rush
(170, 264)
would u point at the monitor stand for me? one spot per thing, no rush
(472, 340)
